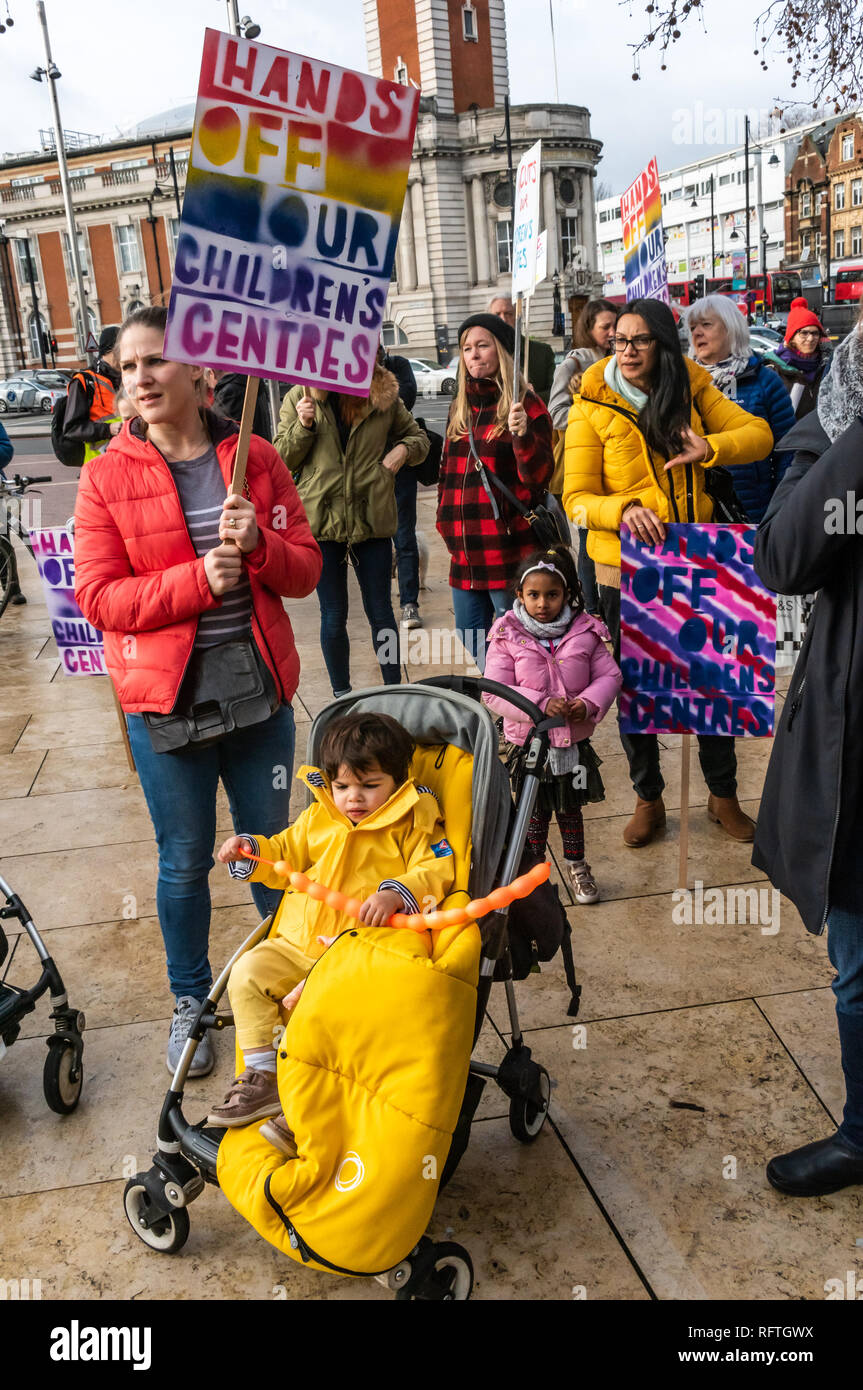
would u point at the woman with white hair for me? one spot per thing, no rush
(719, 341)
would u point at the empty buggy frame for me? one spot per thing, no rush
(443, 711)
(63, 1072)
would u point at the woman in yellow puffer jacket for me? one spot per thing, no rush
(647, 424)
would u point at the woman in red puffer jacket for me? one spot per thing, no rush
(168, 565)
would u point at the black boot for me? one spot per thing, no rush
(817, 1169)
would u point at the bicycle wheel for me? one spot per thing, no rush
(8, 572)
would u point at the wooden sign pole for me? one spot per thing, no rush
(122, 718)
(516, 359)
(685, 750)
(249, 400)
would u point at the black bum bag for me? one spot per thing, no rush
(225, 688)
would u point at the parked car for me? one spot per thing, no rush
(432, 379)
(764, 339)
(49, 377)
(23, 393)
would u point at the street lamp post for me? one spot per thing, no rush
(52, 72)
(157, 193)
(37, 318)
(746, 181)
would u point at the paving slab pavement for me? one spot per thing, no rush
(701, 1049)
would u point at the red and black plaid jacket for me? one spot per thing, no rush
(484, 551)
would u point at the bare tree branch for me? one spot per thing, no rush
(820, 41)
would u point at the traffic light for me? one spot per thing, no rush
(698, 287)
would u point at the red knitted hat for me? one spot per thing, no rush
(800, 316)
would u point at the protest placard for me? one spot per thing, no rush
(643, 245)
(525, 227)
(697, 634)
(78, 642)
(296, 182)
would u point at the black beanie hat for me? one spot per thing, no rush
(107, 339)
(498, 328)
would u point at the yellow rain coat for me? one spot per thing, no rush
(373, 1064)
(402, 843)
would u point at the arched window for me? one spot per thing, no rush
(392, 335)
(134, 305)
(37, 327)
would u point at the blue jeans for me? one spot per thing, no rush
(475, 610)
(373, 565)
(845, 949)
(256, 766)
(407, 554)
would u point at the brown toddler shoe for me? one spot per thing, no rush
(252, 1096)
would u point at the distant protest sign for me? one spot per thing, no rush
(697, 634)
(643, 245)
(78, 642)
(296, 182)
(525, 227)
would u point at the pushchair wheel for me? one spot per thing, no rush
(527, 1114)
(167, 1233)
(62, 1078)
(448, 1278)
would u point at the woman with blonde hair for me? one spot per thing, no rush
(490, 435)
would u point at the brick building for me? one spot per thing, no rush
(454, 245)
(126, 215)
(845, 167)
(824, 198)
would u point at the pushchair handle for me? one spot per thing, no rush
(477, 685)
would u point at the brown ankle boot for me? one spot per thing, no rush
(725, 811)
(648, 819)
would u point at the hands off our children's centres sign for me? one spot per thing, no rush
(697, 634)
(296, 182)
(78, 642)
(525, 227)
(643, 246)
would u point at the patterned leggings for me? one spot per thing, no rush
(571, 830)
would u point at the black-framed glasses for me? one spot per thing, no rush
(641, 341)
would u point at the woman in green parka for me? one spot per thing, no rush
(344, 453)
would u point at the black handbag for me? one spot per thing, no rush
(225, 688)
(546, 519)
(428, 472)
(719, 486)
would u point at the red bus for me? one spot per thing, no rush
(782, 287)
(849, 283)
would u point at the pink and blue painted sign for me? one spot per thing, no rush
(296, 182)
(697, 634)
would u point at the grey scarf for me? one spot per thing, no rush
(725, 373)
(840, 398)
(561, 760)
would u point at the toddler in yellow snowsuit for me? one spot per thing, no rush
(371, 833)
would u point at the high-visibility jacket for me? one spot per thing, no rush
(92, 427)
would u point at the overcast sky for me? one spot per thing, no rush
(124, 60)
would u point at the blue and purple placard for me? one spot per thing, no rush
(78, 642)
(697, 634)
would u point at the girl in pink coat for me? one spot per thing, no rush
(552, 652)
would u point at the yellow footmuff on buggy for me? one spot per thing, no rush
(371, 1069)
(375, 1074)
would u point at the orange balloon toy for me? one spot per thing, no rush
(416, 921)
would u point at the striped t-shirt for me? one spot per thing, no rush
(202, 492)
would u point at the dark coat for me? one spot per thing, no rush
(761, 392)
(807, 838)
(791, 377)
(228, 399)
